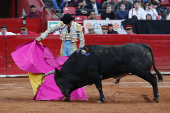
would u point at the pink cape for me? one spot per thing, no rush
(33, 57)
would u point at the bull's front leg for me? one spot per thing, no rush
(94, 74)
(99, 87)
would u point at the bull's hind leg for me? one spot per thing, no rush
(148, 76)
(117, 80)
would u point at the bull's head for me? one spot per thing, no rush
(65, 82)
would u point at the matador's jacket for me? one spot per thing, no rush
(68, 45)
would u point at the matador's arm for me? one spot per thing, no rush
(50, 30)
(81, 38)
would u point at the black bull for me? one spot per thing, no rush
(106, 62)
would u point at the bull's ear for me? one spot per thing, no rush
(57, 71)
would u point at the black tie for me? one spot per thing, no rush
(68, 29)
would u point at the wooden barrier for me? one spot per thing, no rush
(160, 45)
(13, 24)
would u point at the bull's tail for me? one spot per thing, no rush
(51, 72)
(160, 78)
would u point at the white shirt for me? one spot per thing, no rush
(140, 13)
(8, 33)
(153, 13)
(95, 8)
(168, 18)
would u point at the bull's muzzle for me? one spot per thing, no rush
(66, 93)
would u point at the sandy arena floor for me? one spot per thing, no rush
(132, 95)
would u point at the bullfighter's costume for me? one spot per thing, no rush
(68, 35)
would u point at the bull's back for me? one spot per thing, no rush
(120, 59)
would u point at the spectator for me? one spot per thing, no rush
(91, 30)
(168, 18)
(82, 9)
(135, 17)
(34, 13)
(164, 16)
(142, 0)
(155, 2)
(92, 16)
(96, 6)
(58, 9)
(111, 31)
(105, 29)
(148, 17)
(141, 3)
(72, 3)
(127, 4)
(139, 12)
(87, 1)
(4, 31)
(24, 31)
(102, 1)
(111, 2)
(127, 0)
(129, 29)
(151, 11)
(108, 14)
(122, 13)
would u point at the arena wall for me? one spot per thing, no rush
(159, 43)
(13, 24)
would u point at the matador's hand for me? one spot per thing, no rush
(38, 39)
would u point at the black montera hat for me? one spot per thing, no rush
(67, 18)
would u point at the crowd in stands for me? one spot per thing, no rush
(23, 28)
(33, 13)
(106, 9)
(113, 9)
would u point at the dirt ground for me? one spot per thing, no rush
(132, 95)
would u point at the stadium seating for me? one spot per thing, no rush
(79, 20)
(79, 17)
(71, 10)
(165, 2)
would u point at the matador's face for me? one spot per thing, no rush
(69, 25)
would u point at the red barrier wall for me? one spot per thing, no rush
(13, 24)
(160, 45)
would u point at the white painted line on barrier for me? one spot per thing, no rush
(22, 75)
(2, 76)
(25, 75)
(16, 75)
(131, 82)
(158, 86)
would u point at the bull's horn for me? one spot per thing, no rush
(51, 72)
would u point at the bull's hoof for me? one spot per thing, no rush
(156, 100)
(101, 100)
(116, 82)
(66, 99)
(161, 81)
